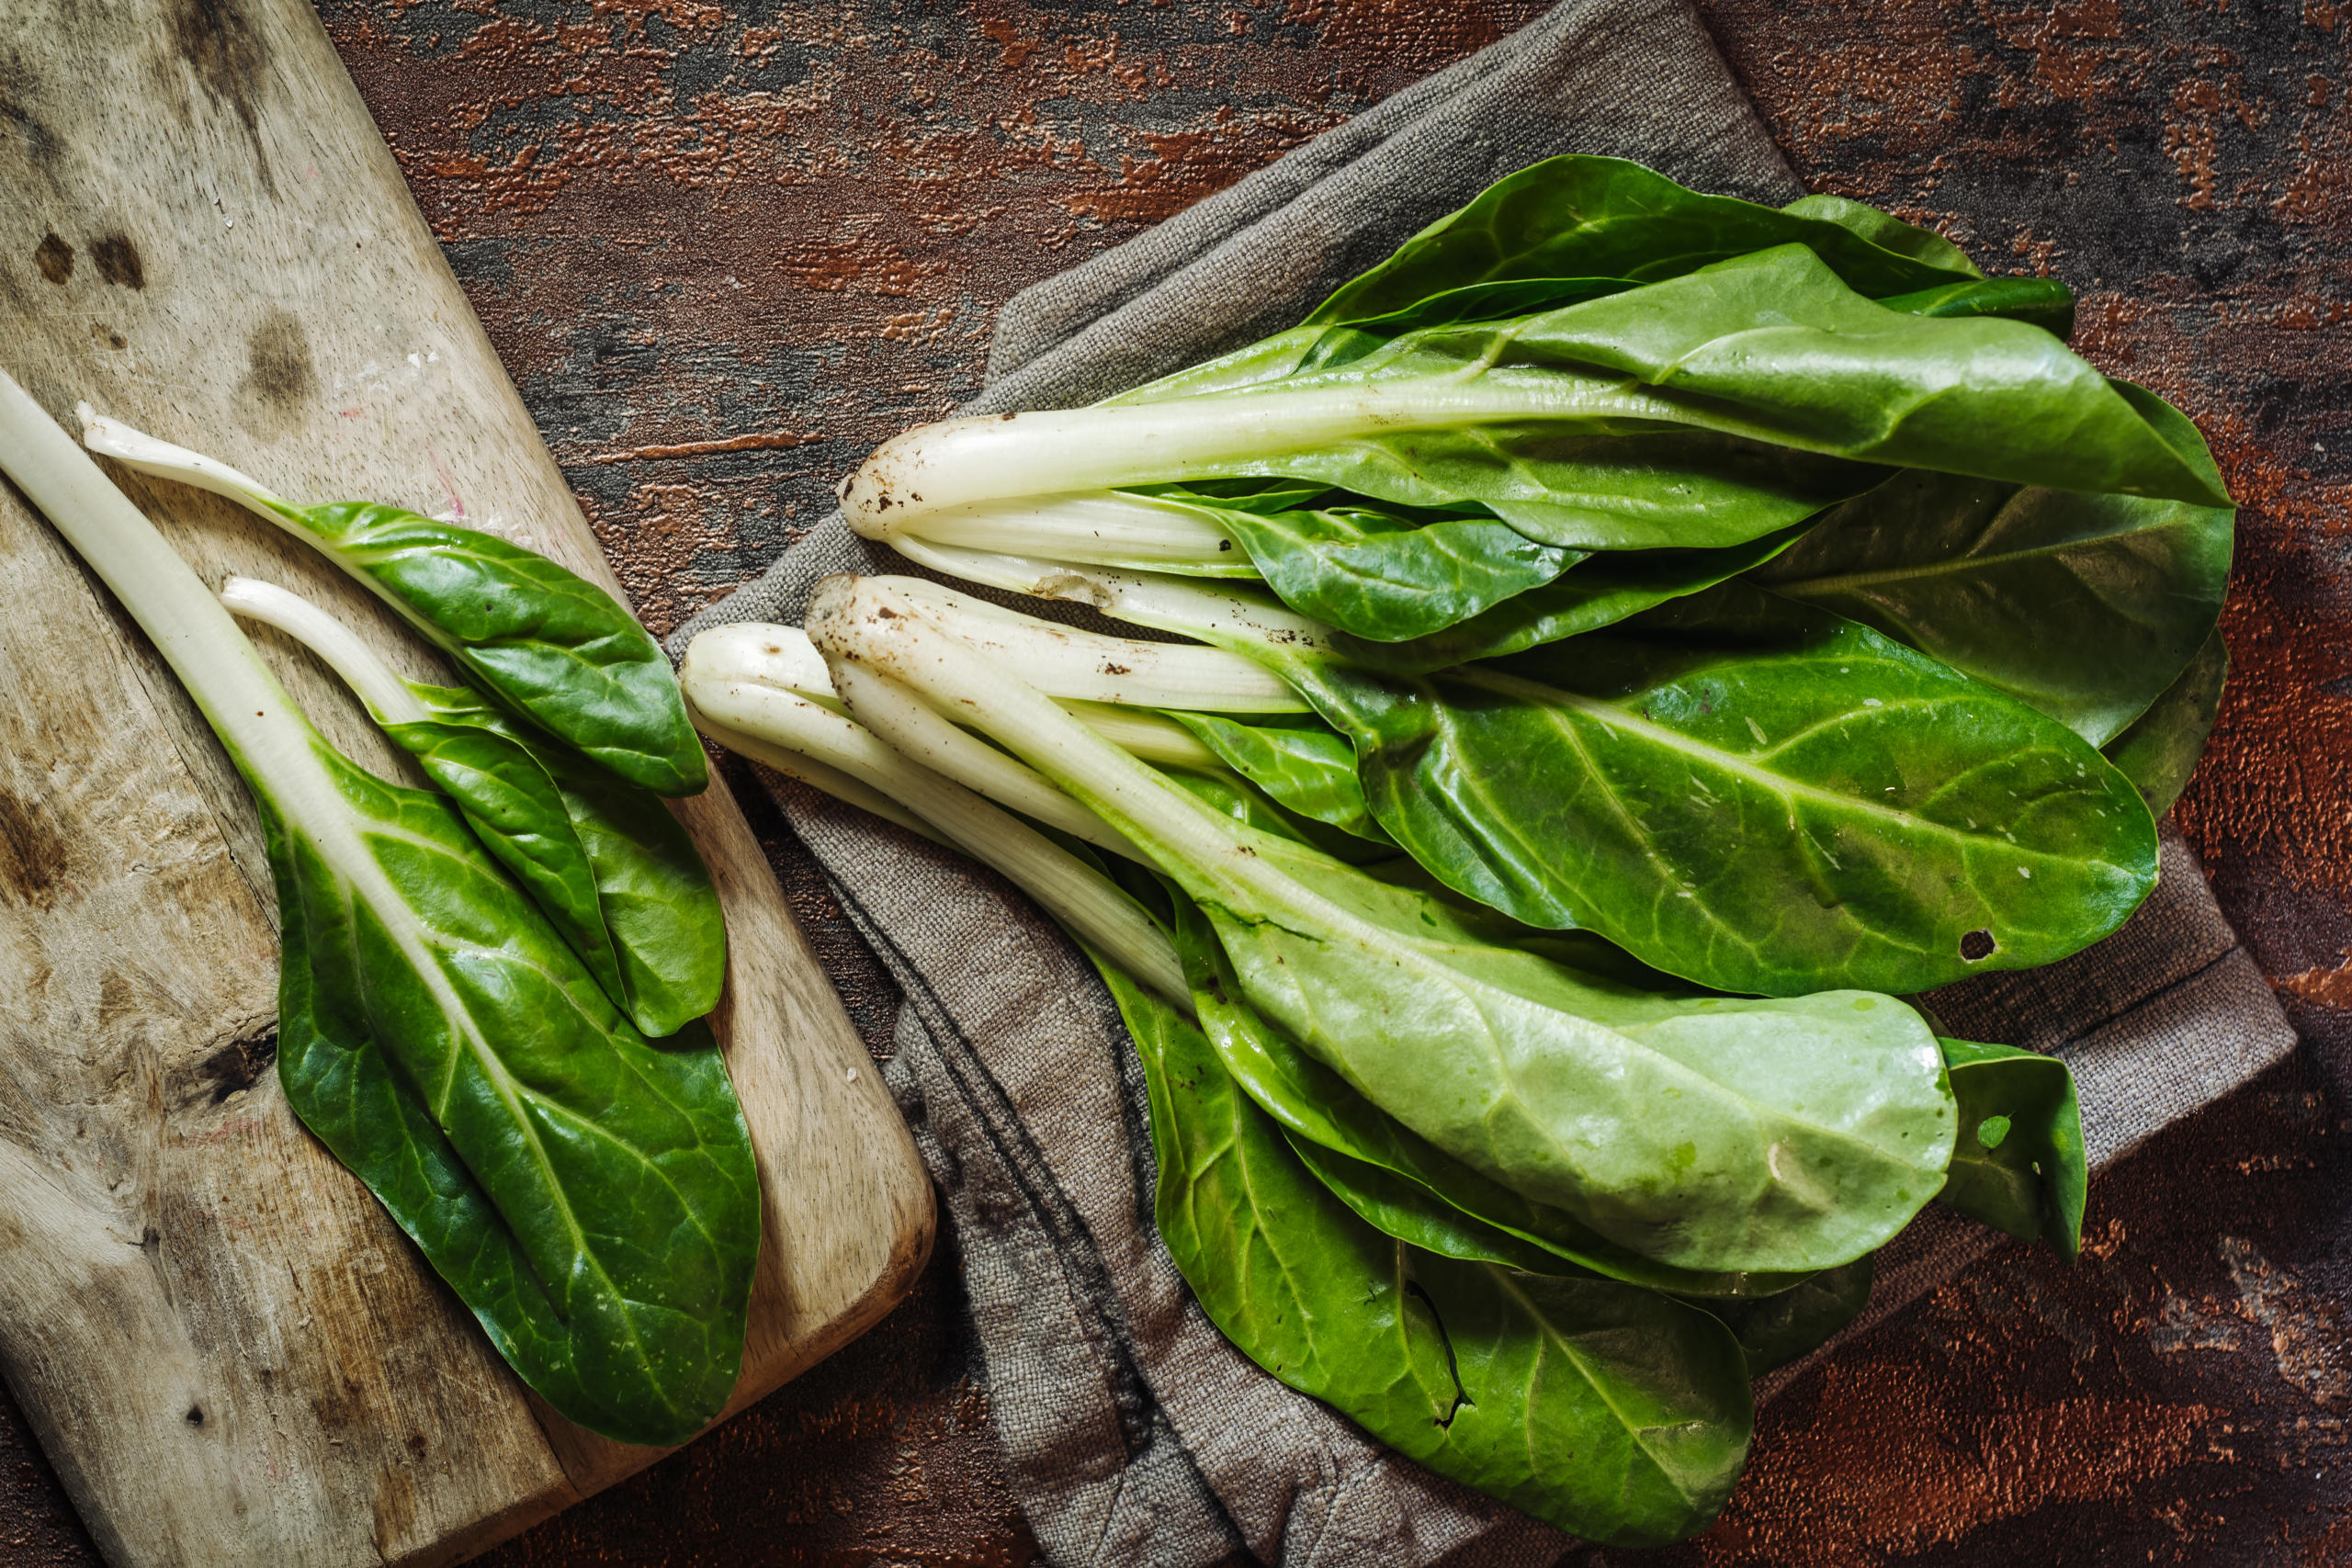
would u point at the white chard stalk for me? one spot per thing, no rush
(1105, 524)
(266, 735)
(386, 694)
(827, 750)
(962, 463)
(1228, 617)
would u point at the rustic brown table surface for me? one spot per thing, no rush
(723, 255)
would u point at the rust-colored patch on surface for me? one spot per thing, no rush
(1877, 1419)
(681, 223)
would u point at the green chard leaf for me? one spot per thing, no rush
(556, 649)
(1606, 1410)
(1389, 574)
(1393, 1179)
(1898, 825)
(1496, 1054)
(1602, 590)
(593, 1201)
(2158, 753)
(591, 1198)
(2086, 606)
(1300, 762)
(1233, 794)
(2043, 301)
(2019, 1165)
(1579, 217)
(1705, 411)
(605, 860)
(1742, 1135)
(550, 645)
(1768, 348)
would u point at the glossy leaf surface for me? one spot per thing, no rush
(1235, 795)
(1578, 217)
(2018, 1165)
(1395, 1179)
(550, 645)
(1306, 765)
(591, 1198)
(1883, 808)
(1768, 348)
(1710, 1133)
(1604, 590)
(1718, 1135)
(1705, 411)
(1606, 1410)
(2159, 752)
(2043, 301)
(1389, 575)
(605, 862)
(2086, 606)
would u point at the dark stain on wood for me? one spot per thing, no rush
(40, 144)
(32, 853)
(117, 260)
(226, 1068)
(55, 257)
(279, 378)
(230, 59)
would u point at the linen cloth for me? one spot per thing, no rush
(1134, 1433)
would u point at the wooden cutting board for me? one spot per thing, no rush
(229, 1352)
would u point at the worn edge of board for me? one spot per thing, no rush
(245, 116)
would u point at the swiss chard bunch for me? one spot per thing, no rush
(1529, 1210)
(1631, 640)
(470, 975)
(1766, 591)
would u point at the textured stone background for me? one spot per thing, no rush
(725, 250)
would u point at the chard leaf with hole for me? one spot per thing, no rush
(1883, 807)
(1742, 1135)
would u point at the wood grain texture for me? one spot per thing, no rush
(229, 1352)
(683, 225)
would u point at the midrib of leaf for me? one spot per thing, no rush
(343, 852)
(1609, 715)
(512, 959)
(1955, 566)
(1498, 813)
